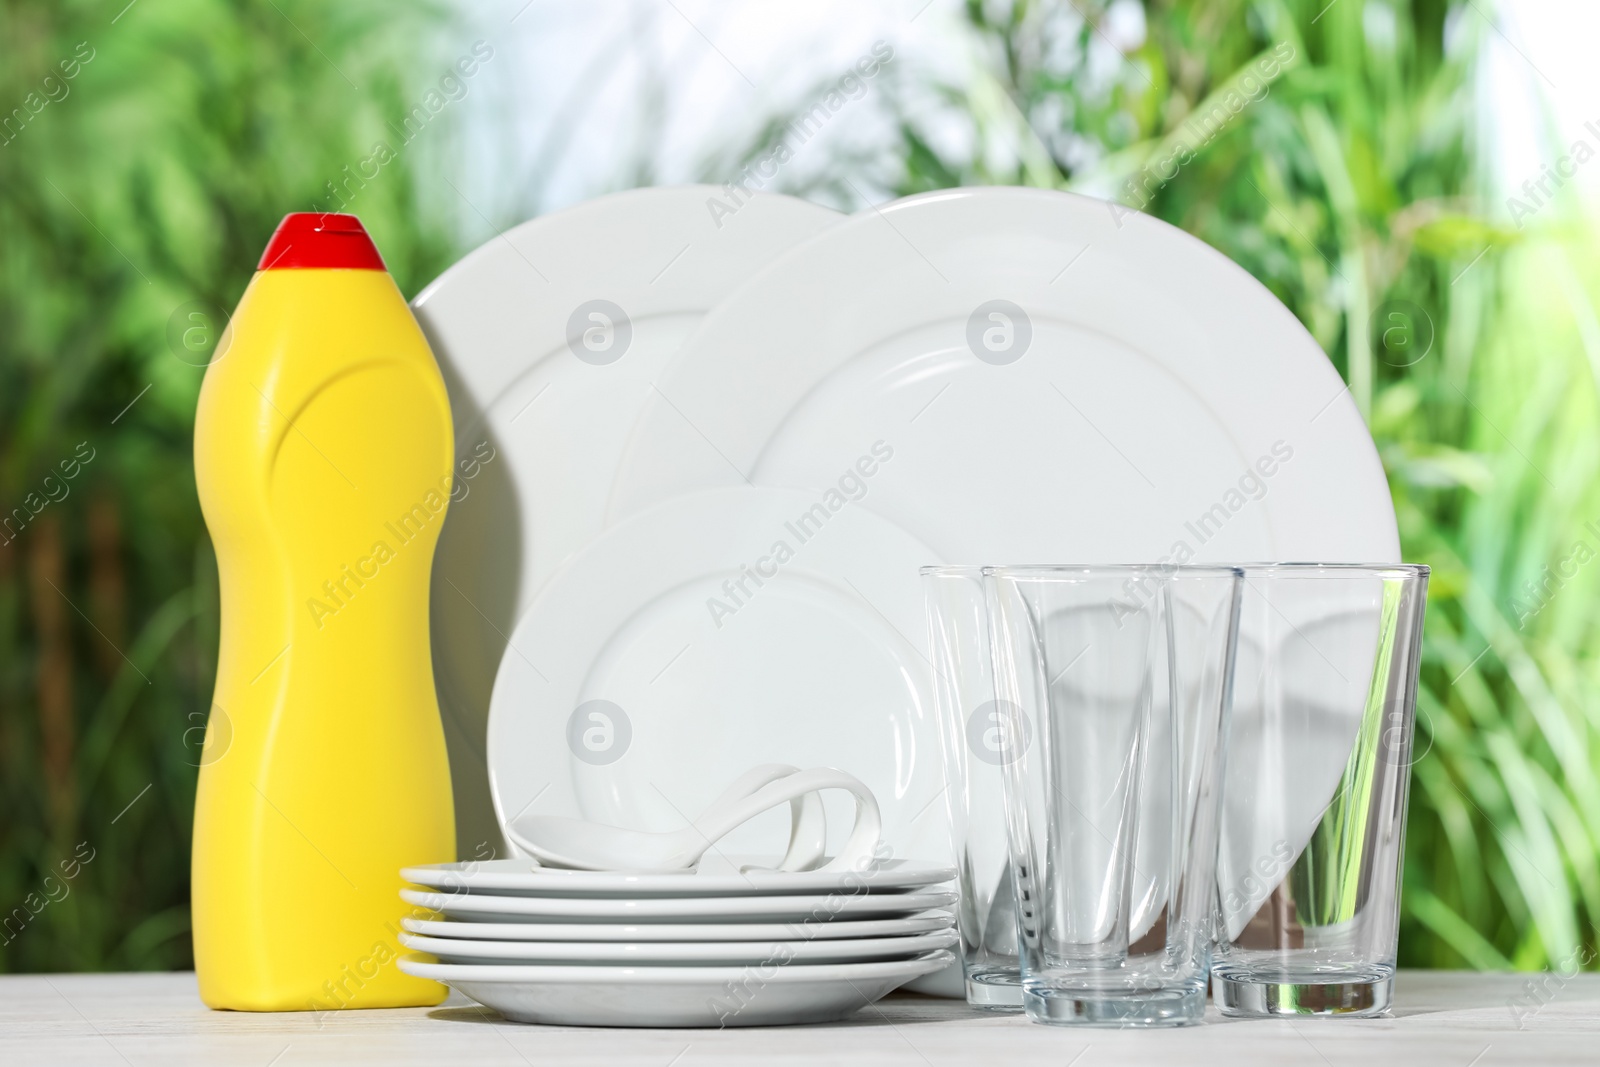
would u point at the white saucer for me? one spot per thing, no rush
(513, 877)
(838, 929)
(817, 908)
(637, 686)
(755, 995)
(731, 953)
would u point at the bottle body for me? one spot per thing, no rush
(323, 459)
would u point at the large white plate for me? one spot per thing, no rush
(816, 909)
(710, 952)
(538, 427)
(598, 931)
(822, 664)
(1060, 380)
(714, 877)
(1156, 374)
(756, 995)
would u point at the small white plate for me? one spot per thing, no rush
(644, 679)
(731, 953)
(838, 930)
(818, 908)
(715, 878)
(758, 995)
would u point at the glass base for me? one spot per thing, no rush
(1357, 997)
(995, 990)
(1077, 1007)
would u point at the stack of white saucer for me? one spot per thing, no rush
(727, 944)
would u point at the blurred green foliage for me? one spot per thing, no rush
(138, 193)
(1332, 150)
(135, 193)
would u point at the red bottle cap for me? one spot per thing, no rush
(315, 239)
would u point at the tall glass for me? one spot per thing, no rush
(969, 731)
(1113, 684)
(1319, 761)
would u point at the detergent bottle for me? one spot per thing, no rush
(323, 459)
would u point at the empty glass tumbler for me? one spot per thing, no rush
(1318, 763)
(969, 732)
(1112, 688)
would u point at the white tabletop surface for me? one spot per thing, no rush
(1445, 1018)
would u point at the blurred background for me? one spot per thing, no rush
(1414, 179)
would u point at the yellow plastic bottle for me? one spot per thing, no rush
(324, 462)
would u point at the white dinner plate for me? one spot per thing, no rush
(838, 929)
(716, 877)
(540, 422)
(643, 681)
(1060, 380)
(757, 995)
(732, 953)
(816, 909)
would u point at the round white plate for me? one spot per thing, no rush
(643, 680)
(838, 929)
(1061, 380)
(758, 995)
(710, 952)
(1126, 406)
(539, 422)
(819, 908)
(517, 877)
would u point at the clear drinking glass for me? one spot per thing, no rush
(1314, 805)
(964, 699)
(1113, 687)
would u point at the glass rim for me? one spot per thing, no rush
(1298, 569)
(1259, 569)
(1088, 571)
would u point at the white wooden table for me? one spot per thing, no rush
(1444, 1018)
